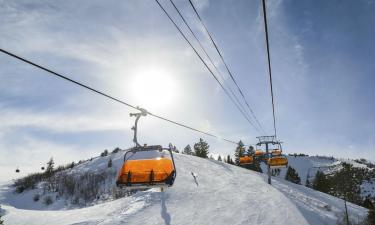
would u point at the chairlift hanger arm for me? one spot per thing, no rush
(135, 127)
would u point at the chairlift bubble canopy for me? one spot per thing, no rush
(145, 167)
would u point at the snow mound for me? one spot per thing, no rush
(205, 192)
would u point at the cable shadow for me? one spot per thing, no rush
(164, 211)
(195, 178)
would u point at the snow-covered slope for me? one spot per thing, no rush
(307, 166)
(221, 194)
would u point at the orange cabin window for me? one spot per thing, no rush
(140, 170)
(280, 161)
(246, 160)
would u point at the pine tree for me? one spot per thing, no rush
(307, 184)
(250, 150)
(371, 217)
(116, 150)
(321, 182)
(239, 152)
(187, 150)
(345, 185)
(219, 158)
(367, 203)
(292, 175)
(50, 166)
(109, 163)
(201, 148)
(255, 166)
(1, 221)
(230, 160)
(104, 153)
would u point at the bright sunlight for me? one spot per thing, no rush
(154, 89)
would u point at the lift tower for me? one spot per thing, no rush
(268, 140)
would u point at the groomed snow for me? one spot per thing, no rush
(221, 194)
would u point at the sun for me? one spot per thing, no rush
(154, 89)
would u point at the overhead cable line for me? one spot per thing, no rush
(269, 63)
(205, 64)
(213, 64)
(110, 97)
(226, 65)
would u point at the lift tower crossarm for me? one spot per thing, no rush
(266, 140)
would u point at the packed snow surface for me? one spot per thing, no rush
(205, 192)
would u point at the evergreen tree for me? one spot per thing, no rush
(250, 150)
(321, 182)
(255, 166)
(201, 149)
(1, 221)
(116, 150)
(368, 203)
(239, 152)
(187, 150)
(104, 153)
(230, 160)
(50, 166)
(219, 158)
(109, 163)
(370, 217)
(292, 175)
(307, 183)
(345, 184)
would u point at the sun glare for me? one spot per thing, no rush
(154, 89)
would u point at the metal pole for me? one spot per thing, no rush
(346, 213)
(268, 165)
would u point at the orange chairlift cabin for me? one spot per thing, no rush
(277, 159)
(258, 153)
(246, 159)
(146, 166)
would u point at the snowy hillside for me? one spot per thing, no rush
(307, 166)
(221, 194)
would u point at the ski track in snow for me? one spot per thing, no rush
(218, 194)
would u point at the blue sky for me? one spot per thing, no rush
(322, 56)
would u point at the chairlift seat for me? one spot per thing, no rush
(244, 160)
(278, 162)
(276, 152)
(147, 172)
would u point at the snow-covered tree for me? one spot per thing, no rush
(370, 217)
(250, 150)
(50, 166)
(230, 160)
(292, 175)
(238, 152)
(109, 163)
(219, 158)
(367, 203)
(1, 221)
(104, 153)
(187, 150)
(116, 150)
(321, 182)
(201, 149)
